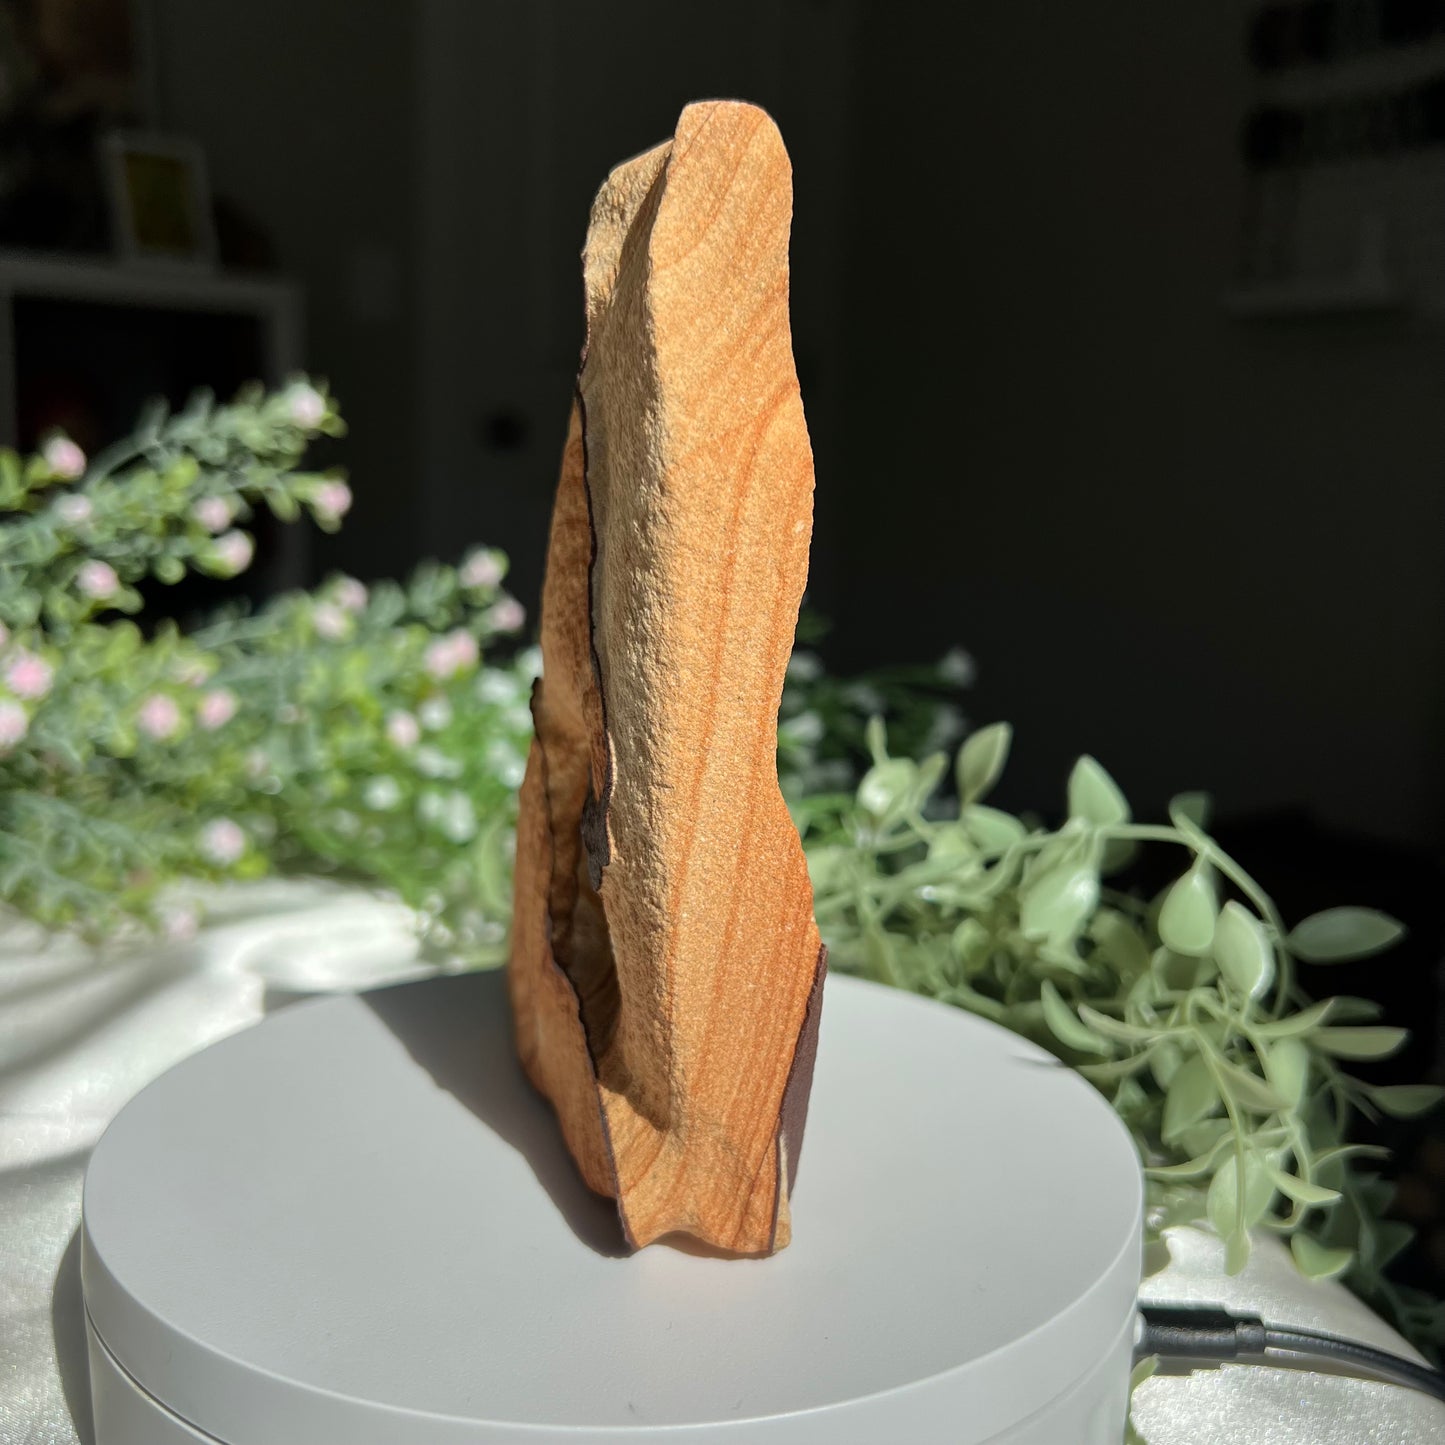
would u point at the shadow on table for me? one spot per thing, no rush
(67, 1323)
(459, 1029)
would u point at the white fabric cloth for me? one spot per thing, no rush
(79, 1036)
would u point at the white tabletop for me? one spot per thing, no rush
(80, 1036)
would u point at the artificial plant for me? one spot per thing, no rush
(349, 729)
(1182, 1009)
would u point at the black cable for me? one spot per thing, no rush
(1331, 1347)
(1208, 1333)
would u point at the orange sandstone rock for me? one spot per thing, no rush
(666, 973)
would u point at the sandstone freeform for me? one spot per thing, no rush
(666, 972)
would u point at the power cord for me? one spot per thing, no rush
(1212, 1335)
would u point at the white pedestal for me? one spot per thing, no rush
(355, 1224)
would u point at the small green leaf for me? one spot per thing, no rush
(1190, 1168)
(887, 787)
(1318, 1261)
(1236, 1252)
(951, 844)
(1186, 921)
(1064, 1024)
(1287, 1067)
(969, 943)
(1116, 1029)
(1192, 1094)
(1339, 934)
(1331, 1158)
(1206, 1138)
(1120, 942)
(1292, 1025)
(1247, 1089)
(1406, 1101)
(1131, 1103)
(1194, 808)
(1151, 985)
(1242, 951)
(1115, 1070)
(1056, 902)
(1166, 1058)
(992, 830)
(981, 759)
(1222, 1204)
(1094, 796)
(1302, 1191)
(284, 506)
(1378, 1042)
(876, 737)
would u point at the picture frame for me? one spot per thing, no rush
(160, 199)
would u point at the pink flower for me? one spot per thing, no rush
(29, 676)
(222, 841)
(213, 513)
(179, 924)
(403, 729)
(481, 569)
(508, 615)
(14, 724)
(64, 458)
(330, 621)
(74, 510)
(234, 552)
(97, 580)
(350, 594)
(306, 406)
(451, 654)
(332, 501)
(159, 717)
(217, 708)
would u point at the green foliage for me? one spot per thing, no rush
(351, 731)
(1181, 1010)
(823, 721)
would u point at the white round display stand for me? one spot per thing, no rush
(355, 1224)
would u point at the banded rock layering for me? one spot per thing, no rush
(667, 974)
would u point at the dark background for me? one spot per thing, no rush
(1204, 546)
(1205, 549)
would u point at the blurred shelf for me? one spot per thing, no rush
(1303, 300)
(99, 278)
(108, 334)
(274, 303)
